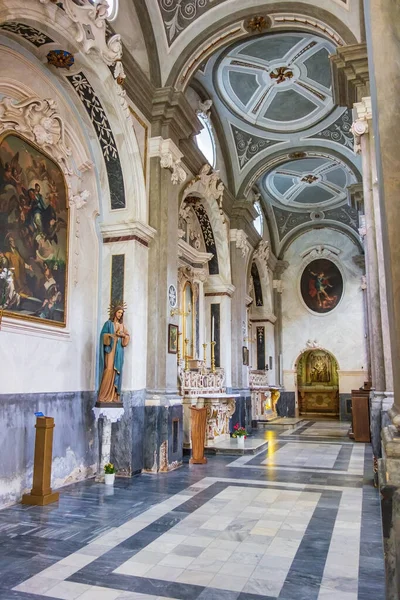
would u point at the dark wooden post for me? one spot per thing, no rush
(198, 428)
(41, 493)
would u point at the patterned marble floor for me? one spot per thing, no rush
(298, 521)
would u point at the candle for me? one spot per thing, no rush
(212, 329)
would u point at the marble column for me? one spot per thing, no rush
(240, 254)
(383, 40)
(383, 34)
(362, 129)
(280, 267)
(162, 397)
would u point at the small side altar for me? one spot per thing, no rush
(204, 388)
(263, 397)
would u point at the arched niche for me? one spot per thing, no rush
(90, 85)
(204, 194)
(318, 383)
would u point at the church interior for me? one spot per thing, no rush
(199, 266)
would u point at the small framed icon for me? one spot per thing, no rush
(172, 339)
(245, 353)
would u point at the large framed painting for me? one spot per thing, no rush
(321, 285)
(33, 233)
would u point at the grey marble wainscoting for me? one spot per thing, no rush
(242, 414)
(286, 405)
(75, 441)
(128, 434)
(345, 407)
(162, 423)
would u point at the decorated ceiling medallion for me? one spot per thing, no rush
(309, 179)
(310, 182)
(60, 59)
(279, 82)
(281, 74)
(258, 24)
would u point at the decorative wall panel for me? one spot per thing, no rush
(105, 136)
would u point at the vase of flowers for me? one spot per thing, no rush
(240, 434)
(109, 474)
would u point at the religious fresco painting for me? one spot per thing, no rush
(321, 285)
(33, 233)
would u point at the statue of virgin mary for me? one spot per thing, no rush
(113, 339)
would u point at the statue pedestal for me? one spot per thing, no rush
(220, 408)
(109, 413)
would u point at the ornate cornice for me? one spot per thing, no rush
(350, 74)
(172, 115)
(133, 230)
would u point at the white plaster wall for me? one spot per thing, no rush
(341, 331)
(127, 24)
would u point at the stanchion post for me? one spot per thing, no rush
(41, 493)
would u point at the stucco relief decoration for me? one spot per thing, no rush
(178, 173)
(262, 252)
(34, 193)
(38, 121)
(90, 31)
(178, 14)
(358, 129)
(241, 242)
(78, 201)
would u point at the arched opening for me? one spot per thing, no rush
(318, 383)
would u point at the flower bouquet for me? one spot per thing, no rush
(109, 473)
(240, 434)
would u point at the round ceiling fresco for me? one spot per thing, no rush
(280, 82)
(311, 181)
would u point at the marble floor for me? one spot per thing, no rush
(298, 521)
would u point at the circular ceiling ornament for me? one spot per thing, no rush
(310, 183)
(258, 24)
(280, 82)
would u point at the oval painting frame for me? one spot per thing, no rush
(321, 286)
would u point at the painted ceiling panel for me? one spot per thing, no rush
(313, 195)
(289, 106)
(337, 177)
(243, 84)
(316, 67)
(270, 48)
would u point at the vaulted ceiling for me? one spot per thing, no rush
(273, 104)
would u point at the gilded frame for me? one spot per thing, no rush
(31, 318)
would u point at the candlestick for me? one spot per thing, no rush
(212, 329)
(205, 352)
(186, 355)
(212, 357)
(178, 356)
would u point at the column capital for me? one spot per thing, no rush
(363, 114)
(170, 157)
(240, 238)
